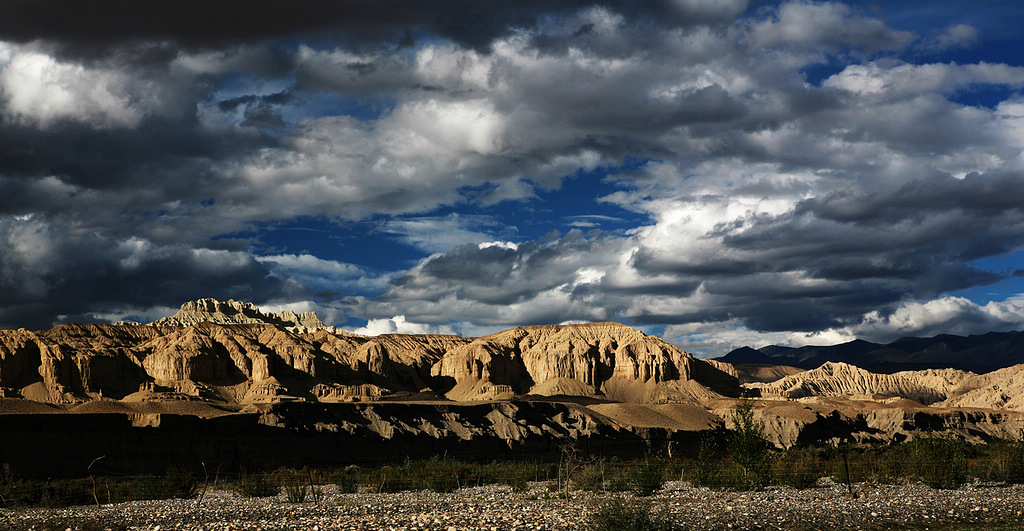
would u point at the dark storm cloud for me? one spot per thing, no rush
(537, 282)
(837, 257)
(138, 134)
(495, 275)
(50, 268)
(113, 159)
(99, 26)
(976, 194)
(150, 181)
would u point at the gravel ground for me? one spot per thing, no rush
(829, 506)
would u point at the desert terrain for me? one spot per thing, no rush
(223, 382)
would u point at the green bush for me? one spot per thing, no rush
(438, 475)
(49, 493)
(939, 462)
(886, 464)
(67, 492)
(619, 477)
(1014, 462)
(516, 474)
(179, 483)
(388, 479)
(1005, 462)
(517, 477)
(617, 515)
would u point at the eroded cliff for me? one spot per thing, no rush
(604, 380)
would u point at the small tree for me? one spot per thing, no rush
(705, 470)
(568, 465)
(748, 447)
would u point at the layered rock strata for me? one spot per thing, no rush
(609, 360)
(842, 379)
(229, 363)
(233, 353)
(212, 359)
(235, 312)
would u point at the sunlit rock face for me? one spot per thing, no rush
(226, 351)
(598, 359)
(214, 358)
(841, 379)
(234, 352)
(235, 312)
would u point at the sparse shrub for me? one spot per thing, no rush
(617, 515)
(570, 462)
(591, 476)
(257, 486)
(646, 476)
(346, 479)
(799, 468)
(179, 483)
(294, 483)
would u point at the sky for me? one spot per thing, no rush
(718, 173)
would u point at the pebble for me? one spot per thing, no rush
(829, 506)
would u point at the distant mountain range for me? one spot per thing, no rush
(976, 353)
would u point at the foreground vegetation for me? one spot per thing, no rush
(741, 461)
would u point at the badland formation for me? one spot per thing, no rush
(223, 382)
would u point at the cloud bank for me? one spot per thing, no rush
(792, 172)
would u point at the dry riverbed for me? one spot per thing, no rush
(830, 506)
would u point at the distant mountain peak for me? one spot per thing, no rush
(978, 353)
(237, 312)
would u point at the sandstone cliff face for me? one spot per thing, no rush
(841, 379)
(829, 420)
(217, 357)
(234, 363)
(1002, 389)
(600, 358)
(278, 364)
(233, 352)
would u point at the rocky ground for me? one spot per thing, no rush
(830, 506)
